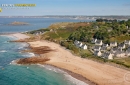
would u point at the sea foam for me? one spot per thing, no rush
(67, 76)
(3, 51)
(29, 55)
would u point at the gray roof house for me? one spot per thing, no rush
(97, 53)
(76, 42)
(80, 44)
(103, 49)
(107, 55)
(122, 45)
(99, 42)
(84, 46)
(113, 44)
(128, 48)
(128, 51)
(93, 40)
(97, 48)
(114, 51)
(120, 54)
(105, 45)
(127, 42)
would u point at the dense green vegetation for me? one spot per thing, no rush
(105, 31)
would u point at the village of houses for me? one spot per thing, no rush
(114, 50)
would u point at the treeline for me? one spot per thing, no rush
(39, 30)
(106, 20)
(101, 31)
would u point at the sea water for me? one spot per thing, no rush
(34, 23)
(13, 74)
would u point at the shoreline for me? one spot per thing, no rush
(74, 75)
(93, 71)
(64, 59)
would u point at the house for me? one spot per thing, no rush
(128, 51)
(84, 46)
(105, 45)
(99, 42)
(76, 42)
(127, 27)
(38, 33)
(127, 42)
(96, 27)
(113, 44)
(120, 54)
(97, 48)
(128, 48)
(107, 55)
(79, 44)
(122, 45)
(93, 40)
(114, 51)
(109, 29)
(97, 53)
(120, 49)
(103, 49)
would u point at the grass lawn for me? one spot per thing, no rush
(120, 38)
(126, 61)
(61, 34)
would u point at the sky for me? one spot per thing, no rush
(67, 7)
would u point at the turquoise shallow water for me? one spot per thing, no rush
(12, 74)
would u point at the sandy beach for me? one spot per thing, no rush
(19, 35)
(98, 73)
(102, 74)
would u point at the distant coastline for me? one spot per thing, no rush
(79, 17)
